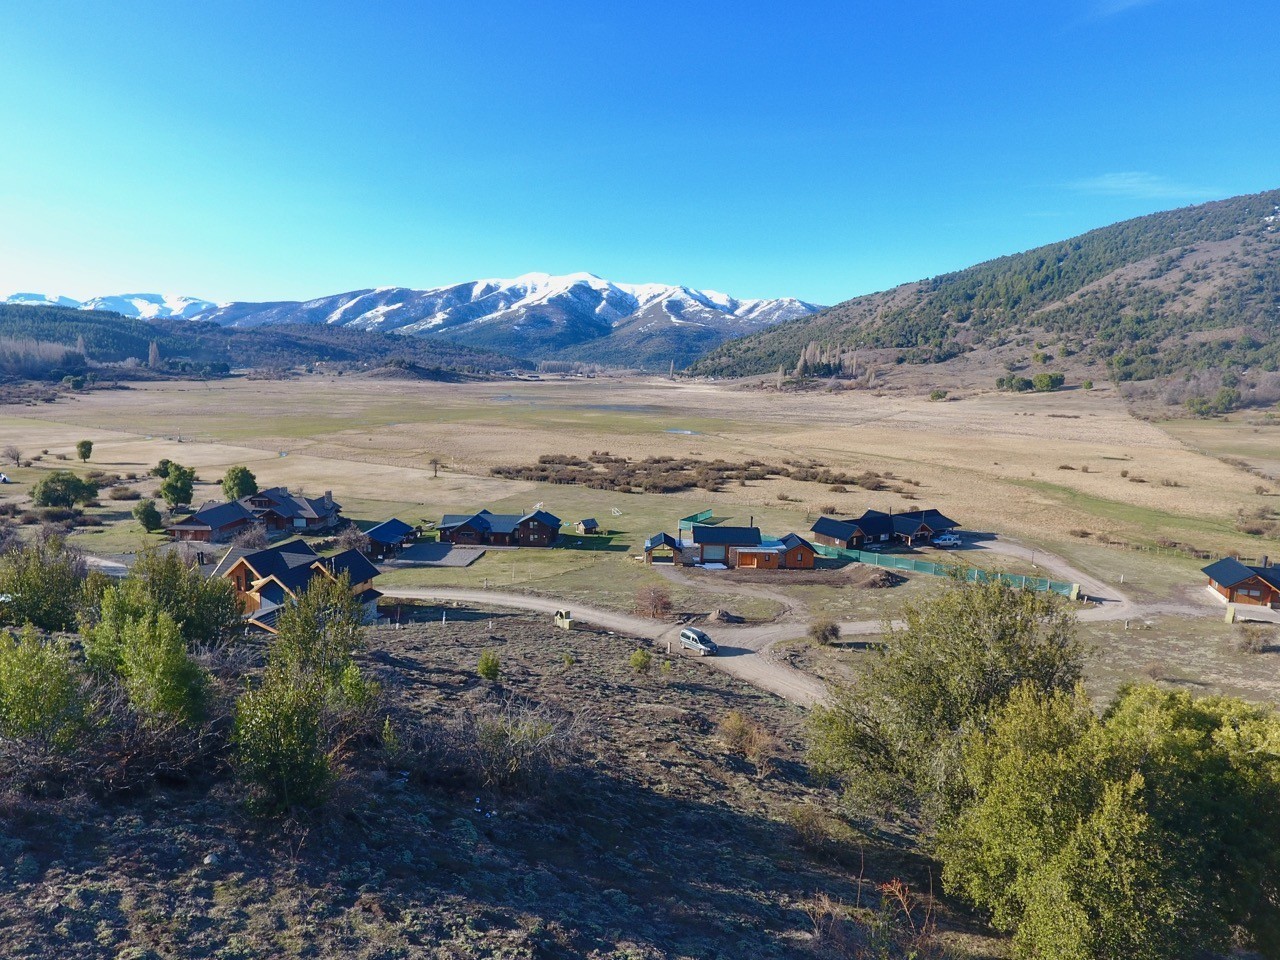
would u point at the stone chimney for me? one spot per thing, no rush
(328, 498)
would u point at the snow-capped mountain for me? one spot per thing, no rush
(536, 315)
(143, 306)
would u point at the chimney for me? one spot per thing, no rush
(328, 498)
(1266, 561)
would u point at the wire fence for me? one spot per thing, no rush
(973, 574)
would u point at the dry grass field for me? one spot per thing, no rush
(1062, 471)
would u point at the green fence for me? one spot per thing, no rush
(895, 562)
(687, 523)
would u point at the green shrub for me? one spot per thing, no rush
(41, 584)
(146, 514)
(1046, 382)
(489, 666)
(161, 679)
(62, 488)
(937, 394)
(1086, 384)
(318, 632)
(642, 661)
(279, 743)
(41, 697)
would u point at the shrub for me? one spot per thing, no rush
(519, 744)
(1045, 382)
(161, 679)
(41, 698)
(62, 488)
(744, 736)
(641, 661)
(279, 743)
(145, 513)
(937, 394)
(824, 631)
(489, 667)
(123, 493)
(653, 601)
(1086, 384)
(41, 583)
(318, 632)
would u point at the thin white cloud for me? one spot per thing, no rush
(1141, 185)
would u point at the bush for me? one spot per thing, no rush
(123, 493)
(161, 679)
(41, 699)
(641, 661)
(1045, 382)
(279, 743)
(653, 601)
(747, 738)
(42, 584)
(937, 394)
(825, 632)
(319, 632)
(145, 513)
(519, 744)
(489, 667)
(62, 488)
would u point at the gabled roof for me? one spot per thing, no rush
(497, 522)
(833, 528)
(389, 531)
(1229, 572)
(910, 520)
(727, 536)
(290, 505)
(793, 540)
(661, 540)
(215, 515)
(353, 563)
(588, 522)
(276, 561)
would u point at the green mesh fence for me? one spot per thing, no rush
(893, 561)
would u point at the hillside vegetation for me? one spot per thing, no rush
(44, 341)
(1170, 293)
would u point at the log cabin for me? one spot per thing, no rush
(535, 529)
(1237, 582)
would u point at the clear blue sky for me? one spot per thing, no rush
(280, 150)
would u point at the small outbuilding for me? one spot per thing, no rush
(388, 538)
(588, 527)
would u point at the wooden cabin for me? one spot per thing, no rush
(1236, 582)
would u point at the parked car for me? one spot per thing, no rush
(947, 540)
(692, 638)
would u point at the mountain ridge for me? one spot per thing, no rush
(1192, 288)
(536, 315)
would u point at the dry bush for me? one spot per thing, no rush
(1254, 639)
(899, 925)
(653, 601)
(123, 493)
(745, 737)
(517, 744)
(251, 538)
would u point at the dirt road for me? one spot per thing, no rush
(740, 647)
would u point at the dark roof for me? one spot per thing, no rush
(497, 522)
(728, 536)
(833, 528)
(216, 515)
(910, 520)
(389, 531)
(369, 596)
(1229, 571)
(661, 540)
(589, 522)
(793, 540)
(277, 561)
(291, 505)
(353, 563)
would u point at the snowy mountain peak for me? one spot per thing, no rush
(534, 315)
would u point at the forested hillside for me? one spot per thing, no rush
(47, 341)
(1164, 294)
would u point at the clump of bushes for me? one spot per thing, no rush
(489, 666)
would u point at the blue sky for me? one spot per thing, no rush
(284, 150)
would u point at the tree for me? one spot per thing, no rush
(12, 454)
(145, 513)
(205, 608)
(62, 488)
(153, 356)
(893, 738)
(352, 537)
(238, 482)
(41, 584)
(161, 469)
(253, 537)
(1150, 832)
(84, 450)
(434, 462)
(489, 666)
(178, 486)
(161, 679)
(319, 631)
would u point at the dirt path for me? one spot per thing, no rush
(791, 607)
(740, 647)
